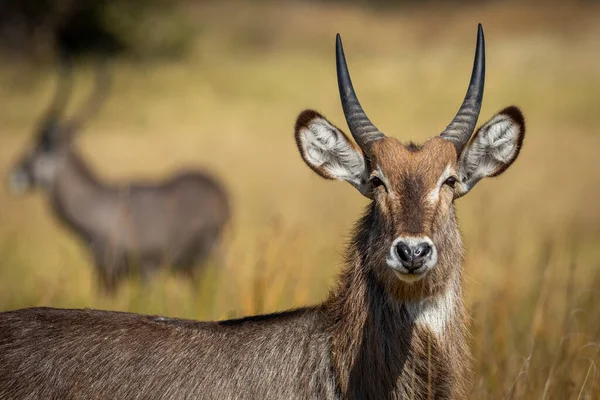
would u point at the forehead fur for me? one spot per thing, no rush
(396, 160)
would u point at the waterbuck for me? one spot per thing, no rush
(393, 328)
(131, 228)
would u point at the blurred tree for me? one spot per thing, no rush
(82, 30)
(39, 29)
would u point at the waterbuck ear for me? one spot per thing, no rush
(329, 152)
(492, 149)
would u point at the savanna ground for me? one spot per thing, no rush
(533, 261)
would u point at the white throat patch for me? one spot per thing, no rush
(435, 313)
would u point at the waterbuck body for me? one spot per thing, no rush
(131, 228)
(394, 326)
(135, 228)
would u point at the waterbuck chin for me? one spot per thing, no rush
(393, 328)
(131, 228)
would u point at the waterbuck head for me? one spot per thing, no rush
(37, 166)
(410, 235)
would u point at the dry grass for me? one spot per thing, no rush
(532, 235)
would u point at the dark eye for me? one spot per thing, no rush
(46, 142)
(376, 182)
(450, 181)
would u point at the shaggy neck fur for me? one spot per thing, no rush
(388, 346)
(77, 195)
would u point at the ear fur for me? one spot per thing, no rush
(329, 152)
(492, 149)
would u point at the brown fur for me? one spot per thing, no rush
(405, 359)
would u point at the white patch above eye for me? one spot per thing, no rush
(327, 149)
(434, 194)
(44, 170)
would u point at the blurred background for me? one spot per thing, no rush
(217, 86)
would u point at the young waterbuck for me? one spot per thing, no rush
(393, 328)
(131, 228)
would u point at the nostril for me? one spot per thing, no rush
(404, 252)
(422, 250)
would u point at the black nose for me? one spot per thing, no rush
(414, 256)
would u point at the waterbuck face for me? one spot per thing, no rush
(414, 232)
(37, 166)
(39, 163)
(413, 187)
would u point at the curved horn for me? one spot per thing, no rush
(462, 126)
(63, 90)
(96, 98)
(361, 127)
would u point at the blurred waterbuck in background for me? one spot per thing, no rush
(394, 327)
(131, 228)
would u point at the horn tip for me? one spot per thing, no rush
(339, 49)
(480, 37)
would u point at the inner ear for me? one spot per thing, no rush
(329, 152)
(493, 148)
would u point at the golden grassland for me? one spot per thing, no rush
(532, 235)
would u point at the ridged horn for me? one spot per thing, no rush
(461, 128)
(62, 92)
(96, 98)
(361, 128)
